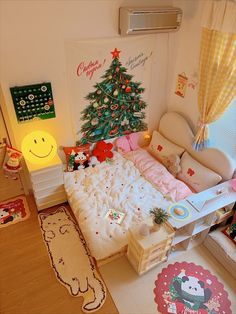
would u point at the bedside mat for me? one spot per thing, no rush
(13, 211)
(186, 288)
(70, 258)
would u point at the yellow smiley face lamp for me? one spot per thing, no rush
(39, 147)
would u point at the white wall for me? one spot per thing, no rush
(32, 50)
(183, 58)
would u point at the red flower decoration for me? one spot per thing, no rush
(159, 147)
(103, 151)
(190, 172)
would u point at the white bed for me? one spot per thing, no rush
(119, 185)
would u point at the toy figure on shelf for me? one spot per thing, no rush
(11, 164)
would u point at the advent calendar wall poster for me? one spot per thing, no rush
(33, 102)
(109, 86)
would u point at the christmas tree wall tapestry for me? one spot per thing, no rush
(115, 105)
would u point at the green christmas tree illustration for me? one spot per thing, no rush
(115, 107)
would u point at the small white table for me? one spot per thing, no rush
(193, 230)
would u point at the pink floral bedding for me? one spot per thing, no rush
(158, 175)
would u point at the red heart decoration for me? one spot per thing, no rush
(159, 147)
(190, 172)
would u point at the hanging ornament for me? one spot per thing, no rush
(128, 89)
(106, 100)
(133, 94)
(123, 86)
(106, 113)
(123, 107)
(124, 122)
(113, 115)
(114, 107)
(99, 91)
(138, 114)
(110, 77)
(97, 132)
(117, 69)
(115, 92)
(95, 105)
(94, 121)
(114, 131)
(126, 81)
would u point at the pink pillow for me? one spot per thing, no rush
(127, 143)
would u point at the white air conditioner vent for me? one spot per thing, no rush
(133, 21)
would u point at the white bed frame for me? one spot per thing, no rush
(176, 128)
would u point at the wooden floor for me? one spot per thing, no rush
(27, 282)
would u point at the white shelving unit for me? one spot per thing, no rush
(192, 232)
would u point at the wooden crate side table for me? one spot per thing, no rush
(145, 252)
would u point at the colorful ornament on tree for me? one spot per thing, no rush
(115, 92)
(114, 107)
(95, 104)
(114, 131)
(99, 91)
(125, 122)
(128, 89)
(94, 121)
(106, 100)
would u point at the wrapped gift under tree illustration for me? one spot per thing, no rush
(116, 105)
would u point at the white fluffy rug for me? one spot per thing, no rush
(71, 260)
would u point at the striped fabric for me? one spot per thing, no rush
(217, 76)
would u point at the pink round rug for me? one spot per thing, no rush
(186, 288)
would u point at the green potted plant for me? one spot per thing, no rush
(159, 216)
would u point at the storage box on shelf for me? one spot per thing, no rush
(223, 214)
(145, 252)
(47, 183)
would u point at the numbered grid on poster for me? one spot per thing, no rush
(33, 102)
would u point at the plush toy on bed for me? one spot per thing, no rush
(103, 151)
(172, 164)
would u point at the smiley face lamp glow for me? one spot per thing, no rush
(39, 147)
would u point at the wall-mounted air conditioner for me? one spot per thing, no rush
(133, 21)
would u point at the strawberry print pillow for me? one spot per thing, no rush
(161, 148)
(196, 175)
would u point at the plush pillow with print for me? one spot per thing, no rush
(196, 175)
(77, 157)
(160, 147)
(103, 151)
(127, 143)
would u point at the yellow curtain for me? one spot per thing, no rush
(217, 79)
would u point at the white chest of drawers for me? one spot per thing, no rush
(47, 183)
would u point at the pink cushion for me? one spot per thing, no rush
(127, 143)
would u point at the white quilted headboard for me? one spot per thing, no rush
(176, 128)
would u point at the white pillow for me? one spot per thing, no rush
(196, 175)
(160, 147)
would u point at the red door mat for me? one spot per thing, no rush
(186, 288)
(13, 210)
